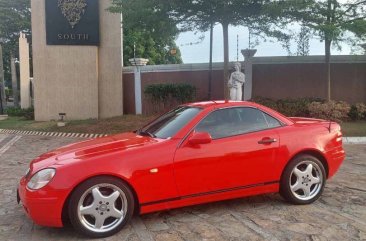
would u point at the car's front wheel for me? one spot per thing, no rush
(101, 206)
(303, 180)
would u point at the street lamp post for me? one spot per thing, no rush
(2, 83)
(14, 80)
(1, 98)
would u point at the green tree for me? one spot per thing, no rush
(148, 32)
(201, 14)
(303, 39)
(15, 16)
(331, 20)
(141, 44)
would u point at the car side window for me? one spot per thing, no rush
(272, 122)
(235, 121)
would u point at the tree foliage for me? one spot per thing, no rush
(333, 21)
(303, 42)
(15, 16)
(200, 14)
(148, 32)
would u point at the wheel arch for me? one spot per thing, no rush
(312, 152)
(64, 213)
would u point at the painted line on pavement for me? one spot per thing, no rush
(9, 144)
(51, 134)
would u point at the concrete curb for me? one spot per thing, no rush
(51, 134)
(354, 140)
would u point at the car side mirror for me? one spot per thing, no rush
(199, 138)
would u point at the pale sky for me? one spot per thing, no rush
(199, 53)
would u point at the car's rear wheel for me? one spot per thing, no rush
(303, 180)
(101, 206)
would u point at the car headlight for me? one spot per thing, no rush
(41, 178)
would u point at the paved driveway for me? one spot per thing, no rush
(339, 215)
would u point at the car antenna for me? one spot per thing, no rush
(330, 125)
(330, 119)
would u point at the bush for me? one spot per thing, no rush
(289, 107)
(166, 96)
(8, 93)
(164, 92)
(353, 113)
(316, 108)
(266, 102)
(362, 110)
(294, 107)
(28, 113)
(357, 112)
(332, 110)
(14, 111)
(18, 112)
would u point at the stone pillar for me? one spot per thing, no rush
(248, 69)
(25, 100)
(83, 81)
(14, 80)
(138, 62)
(2, 82)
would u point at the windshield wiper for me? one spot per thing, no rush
(145, 133)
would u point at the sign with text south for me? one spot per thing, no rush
(72, 22)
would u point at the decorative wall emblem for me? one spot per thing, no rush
(73, 10)
(72, 22)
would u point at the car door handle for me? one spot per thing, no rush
(267, 141)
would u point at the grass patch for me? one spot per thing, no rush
(124, 124)
(357, 129)
(105, 126)
(109, 126)
(18, 123)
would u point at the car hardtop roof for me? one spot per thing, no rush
(222, 103)
(229, 103)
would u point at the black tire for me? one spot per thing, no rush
(79, 223)
(292, 179)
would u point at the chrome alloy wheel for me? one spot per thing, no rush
(306, 180)
(102, 208)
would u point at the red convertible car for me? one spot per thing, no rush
(196, 153)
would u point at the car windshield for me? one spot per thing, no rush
(167, 125)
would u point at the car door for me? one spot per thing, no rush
(242, 152)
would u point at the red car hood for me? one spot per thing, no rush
(92, 148)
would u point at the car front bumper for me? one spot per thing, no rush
(43, 206)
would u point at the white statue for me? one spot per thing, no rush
(236, 82)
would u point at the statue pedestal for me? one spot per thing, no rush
(138, 62)
(248, 53)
